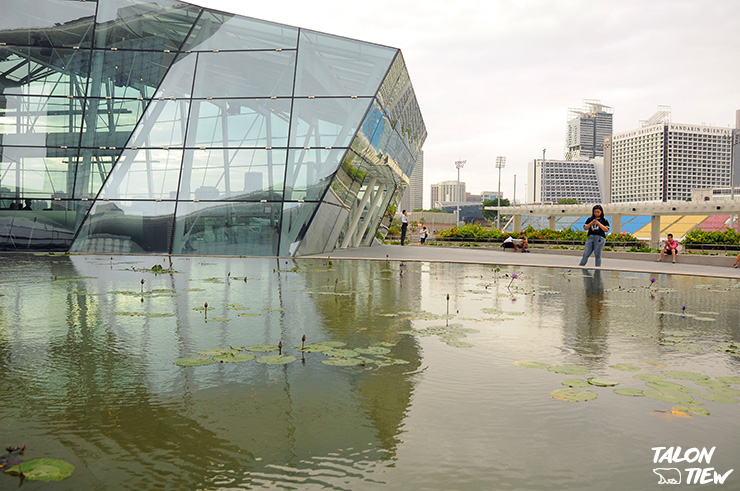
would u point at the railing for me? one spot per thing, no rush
(712, 247)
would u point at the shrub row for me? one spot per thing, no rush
(477, 232)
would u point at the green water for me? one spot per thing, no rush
(88, 376)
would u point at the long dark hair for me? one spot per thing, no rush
(597, 207)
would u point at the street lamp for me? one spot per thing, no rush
(500, 163)
(459, 164)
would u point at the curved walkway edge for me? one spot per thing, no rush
(720, 267)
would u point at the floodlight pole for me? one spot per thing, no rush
(459, 164)
(542, 178)
(500, 163)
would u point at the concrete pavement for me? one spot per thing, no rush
(692, 265)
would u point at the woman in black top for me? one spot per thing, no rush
(597, 227)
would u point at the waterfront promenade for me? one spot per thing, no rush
(693, 265)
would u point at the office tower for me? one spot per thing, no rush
(552, 180)
(447, 192)
(413, 198)
(587, 129)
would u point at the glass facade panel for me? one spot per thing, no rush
(154, 25)
(179, 79)
(127, 74)
(238, 229)
(40, 121)
(163, 125)
(331, 65)
(218, 30)
(239, 123)
(326, 122)
(296, 217)
(325, 230)
(109, 122)
(309, 172)
(123, 227)
(233, 174)
(40, 174)
(245, 74)
(43, 71)
(46, 23)
(144, 174)
(92, 168)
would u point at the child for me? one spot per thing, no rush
(423, 235)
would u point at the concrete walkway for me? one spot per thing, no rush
(712, 266)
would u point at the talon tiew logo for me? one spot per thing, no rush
(687, 475)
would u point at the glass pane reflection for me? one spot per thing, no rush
(245, 74)
(144, 174)
(44, 71)
(109, 122)
(55, 23)
(163, 125)
(325, 230)
(129, 74)
(218, 30)
(309, 172)
(326, 122)
(296, 217)
(239, 174)
(40, 121)
(237, 229)
(122, 227)
(38, 173)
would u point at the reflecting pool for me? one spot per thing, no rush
(443, 395)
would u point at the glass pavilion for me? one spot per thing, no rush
(156, 126)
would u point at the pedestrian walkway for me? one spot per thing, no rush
(715, 266)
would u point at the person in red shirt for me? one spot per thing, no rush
(670, 247)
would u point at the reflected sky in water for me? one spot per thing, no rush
(86, 366)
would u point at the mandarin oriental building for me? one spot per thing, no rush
(161, 127)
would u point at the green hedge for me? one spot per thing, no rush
(697, 236)
(479, 232)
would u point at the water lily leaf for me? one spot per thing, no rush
(692, 409)
(219, 319)
(262, 348)
(711, 396)
(532, 364)
(197, 361)
(674, 397)
(342, 362)
(385, 344)
(625, 367)
(711, 383)
(573, 395)
(248, 314)
(725, 391)
(341, 353)
(575, 382)
(276, 359)
(629, 392)
(600, 382)
(459, 344)
(568, 370)
(649, 377)
(729, 380)
(685, 375)
(373, 350)
(234, 357)
(217, 351)
(42, 470)
(666, 385)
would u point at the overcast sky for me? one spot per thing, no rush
(497, 77)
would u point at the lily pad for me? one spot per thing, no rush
(532, 364)
(685, 375)
(665, 385)
(262, 348)
(711, 396)
(217, 351)
(568, 370)
(197, 361)
(373, 350)
(341, 353)
(711, 383)
(573, 395)
(625, 367)
(729, 380)
(276, 359)
(459, 344)
(646, 377)
(234, 357)
(42, 470)
(629, 392)
(575, 382)
(343, 362)
(725, 391)
(600, 382)
(219, 319)
(674, 397)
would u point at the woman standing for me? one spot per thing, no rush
(597, 227)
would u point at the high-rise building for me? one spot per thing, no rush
(413, 197)
(552, 180)
(587, 129)
(665, 161)
(161, 127)
(447, 192)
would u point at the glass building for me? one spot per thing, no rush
(156, 126)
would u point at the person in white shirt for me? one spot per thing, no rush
(404, 226)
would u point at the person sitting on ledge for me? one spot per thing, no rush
(523, 244)
(670, 247)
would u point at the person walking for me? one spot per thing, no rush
(404, 226)
(597, 227)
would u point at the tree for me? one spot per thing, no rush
(568, 201)
(490, 215)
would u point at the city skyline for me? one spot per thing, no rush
(497, 78)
